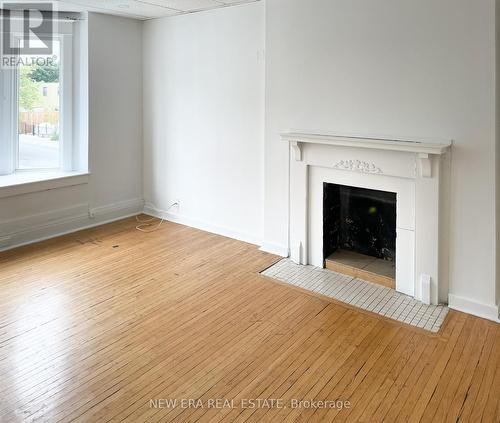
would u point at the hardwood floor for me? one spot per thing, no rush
(95, 325)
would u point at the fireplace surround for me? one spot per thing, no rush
(416, 171)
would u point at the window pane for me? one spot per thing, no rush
(39, 113)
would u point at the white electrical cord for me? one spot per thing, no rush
(147, 226)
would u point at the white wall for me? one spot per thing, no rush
(115, 122)
(204, 119)
(115, 137)
(398, 68)
(497, 178)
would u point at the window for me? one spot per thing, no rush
(36, 105)
(38, 113)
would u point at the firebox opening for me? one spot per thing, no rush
(359, 232)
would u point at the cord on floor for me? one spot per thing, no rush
(147, 226)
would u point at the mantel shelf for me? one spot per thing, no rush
(409, 146)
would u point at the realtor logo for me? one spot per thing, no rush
(25, 29)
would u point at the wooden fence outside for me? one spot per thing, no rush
(39, 123)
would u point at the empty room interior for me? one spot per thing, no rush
(250, 211)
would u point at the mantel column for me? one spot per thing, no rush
(427, 203)
(298, 205)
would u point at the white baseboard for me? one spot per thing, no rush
(204, 226)
(276, 249)
(30, 229)
(486, 311)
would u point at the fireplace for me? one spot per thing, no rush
(360, 220)
(359, 232)
(397, 186)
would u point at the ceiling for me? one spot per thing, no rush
(139, 9)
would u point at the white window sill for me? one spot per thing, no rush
(26, 182)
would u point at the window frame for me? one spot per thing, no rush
(8, 131)
(9, 112)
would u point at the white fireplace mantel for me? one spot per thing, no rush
(417, 171)
(424, 150)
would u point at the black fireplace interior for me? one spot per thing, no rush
(360, 220)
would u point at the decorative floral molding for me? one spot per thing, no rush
(357, 166)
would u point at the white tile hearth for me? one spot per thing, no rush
(356, 292)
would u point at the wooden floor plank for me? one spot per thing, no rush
(413, 397)
(483, 376)
(405, 388)
(440, 391)
(93, 325)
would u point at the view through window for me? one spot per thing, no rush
(39, 114)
